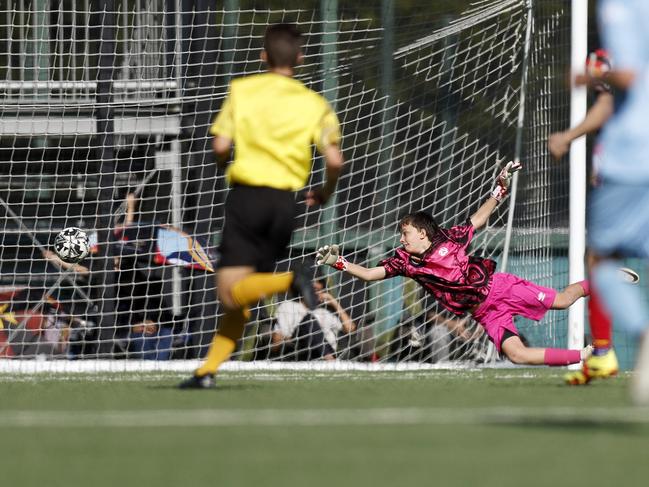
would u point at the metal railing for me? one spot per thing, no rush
(51, 54)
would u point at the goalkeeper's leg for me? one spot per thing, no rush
(518, 353)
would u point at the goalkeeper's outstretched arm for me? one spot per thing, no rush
(330, 255)
(503, 182)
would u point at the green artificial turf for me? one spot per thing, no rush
(444, 428)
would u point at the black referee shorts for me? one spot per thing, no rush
(258, 226)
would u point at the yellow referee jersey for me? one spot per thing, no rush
(274, 120)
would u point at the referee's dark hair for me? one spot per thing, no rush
(283, 45)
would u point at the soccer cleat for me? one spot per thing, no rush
(198, 382)
(595, 367)
(602, 366)
(629, 275)
(577, 378)
(303, 285)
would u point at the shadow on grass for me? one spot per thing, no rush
(220, 387)
(581, 425)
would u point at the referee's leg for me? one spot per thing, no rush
(231, 325)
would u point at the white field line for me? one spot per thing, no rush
(268, 376)
(11, 366)
(322, 417)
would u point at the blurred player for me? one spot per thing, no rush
(597, 65)
(436, 259)
(273, 121)
(619, 206)
(603, 363)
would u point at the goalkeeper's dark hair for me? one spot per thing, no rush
(283, 45)
(421, 221)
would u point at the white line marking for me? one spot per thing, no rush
(321, 417)
(10, 366)
(529, 374)
(272, 376)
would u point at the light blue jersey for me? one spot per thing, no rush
(624, 26)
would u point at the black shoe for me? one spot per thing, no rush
(303, 285)
(198, 382)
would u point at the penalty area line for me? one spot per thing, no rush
(323, 417)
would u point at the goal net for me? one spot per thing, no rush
(106, 107)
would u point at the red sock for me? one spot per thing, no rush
(561, 356)
(600, 322)
(586, 286)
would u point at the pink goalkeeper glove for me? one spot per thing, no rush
(504, 179)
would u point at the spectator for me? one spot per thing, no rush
(408, 340)
(150, 341)
(313, 334)
(140, 297)
(443, 334)
(360, 344)
(431, 337)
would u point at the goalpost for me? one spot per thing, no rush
(106, 107)
(579, 51)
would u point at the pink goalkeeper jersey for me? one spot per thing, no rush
(457, 281)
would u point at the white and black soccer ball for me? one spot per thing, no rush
(72, 245)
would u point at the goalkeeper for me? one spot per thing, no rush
(273, 121)
(437, 259)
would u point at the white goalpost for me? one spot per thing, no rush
(106, 106)
(578, 184)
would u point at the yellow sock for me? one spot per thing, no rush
(225, 341)
(252, 288)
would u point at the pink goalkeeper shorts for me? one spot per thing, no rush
(510, 296)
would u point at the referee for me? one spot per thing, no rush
(273, 121)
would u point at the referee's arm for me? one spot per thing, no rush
(223, 131)
(222, 147)
(334, 162)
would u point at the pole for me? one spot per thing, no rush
(386, 299)
(577, 245)
(104, 25)
(519, 136)
(328, 230)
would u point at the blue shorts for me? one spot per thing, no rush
(618, 220)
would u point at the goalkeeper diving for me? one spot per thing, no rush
(437, 259)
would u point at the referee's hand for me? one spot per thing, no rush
(316, 196)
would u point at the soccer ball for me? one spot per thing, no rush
(72, 245)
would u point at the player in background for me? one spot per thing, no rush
(597, 64)
(436, 258)
(273, 121)
(603, 363)
(619, 205)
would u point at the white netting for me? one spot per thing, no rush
(105, 99)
